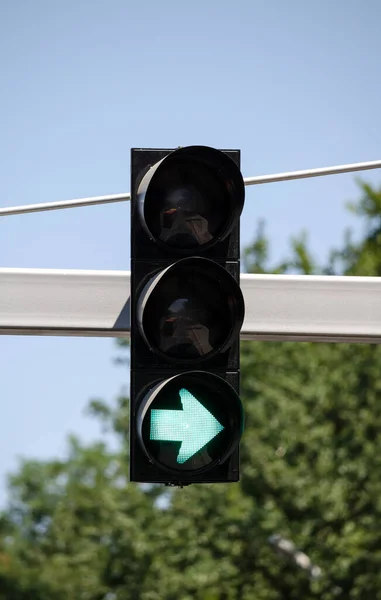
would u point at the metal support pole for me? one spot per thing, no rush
(29, 208)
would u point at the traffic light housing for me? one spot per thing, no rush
(187, 310)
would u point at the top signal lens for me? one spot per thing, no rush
(191, 199)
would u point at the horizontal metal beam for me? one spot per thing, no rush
(278, 307)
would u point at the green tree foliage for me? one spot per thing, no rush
(75, 529)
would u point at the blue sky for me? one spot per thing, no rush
(293, 84)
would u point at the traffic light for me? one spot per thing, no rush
(187, 310)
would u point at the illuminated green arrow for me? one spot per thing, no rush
(194, 426)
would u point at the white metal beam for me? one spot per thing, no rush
(278, 307)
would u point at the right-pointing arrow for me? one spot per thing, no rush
(194, 426)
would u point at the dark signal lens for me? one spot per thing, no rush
(186, 205)
(191, 311)
(192, 198)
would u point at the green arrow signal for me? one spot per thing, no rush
(194, 426)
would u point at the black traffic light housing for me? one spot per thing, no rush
(186, 313)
